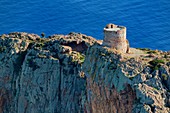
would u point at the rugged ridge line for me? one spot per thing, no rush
(74, 73)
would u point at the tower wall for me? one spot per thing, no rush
(115, 37)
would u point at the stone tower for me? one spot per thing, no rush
(115, 37)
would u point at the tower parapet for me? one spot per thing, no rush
(115, 37)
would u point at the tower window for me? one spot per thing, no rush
(111, 26)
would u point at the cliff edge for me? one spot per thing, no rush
(74, 73)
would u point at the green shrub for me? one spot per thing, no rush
(144, 49)
(78, 57)
(81, 57)
(40, 45)
(166, 56)
(155, 64)
(43, 34)
(148, 51)
(164, 76)
(2, 49)
(156, 68)
(152, 51)
(155, 88)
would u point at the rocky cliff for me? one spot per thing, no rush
(74, 73)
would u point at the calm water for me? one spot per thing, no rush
(147, 21)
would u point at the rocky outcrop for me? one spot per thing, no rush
(117, 83)
(39, 75)
(75, 74)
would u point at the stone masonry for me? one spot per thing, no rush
(115, 37)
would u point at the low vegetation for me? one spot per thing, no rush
(2, 49)
(43, 34)
(144, 49)
(148, 51)
(156, 63)
(78, 57)
(165, 76)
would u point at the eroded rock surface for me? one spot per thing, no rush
(74, 73)
(117, 83)
(39, 75)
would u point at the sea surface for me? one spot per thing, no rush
(147, 21)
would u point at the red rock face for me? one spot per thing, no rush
(4, 99)
(101, 99)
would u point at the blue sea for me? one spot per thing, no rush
(147, 21)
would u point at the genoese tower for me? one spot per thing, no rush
(115, 37)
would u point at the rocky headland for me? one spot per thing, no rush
(75, 73)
